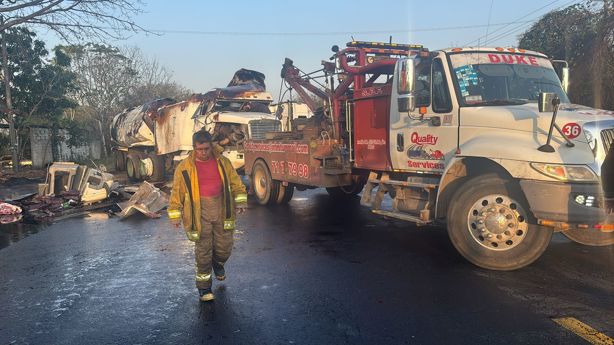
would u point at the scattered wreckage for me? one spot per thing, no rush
(71, 190)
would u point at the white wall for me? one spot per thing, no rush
(40, 142)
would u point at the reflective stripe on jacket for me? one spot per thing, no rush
(181, 206)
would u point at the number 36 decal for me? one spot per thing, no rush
(571, 130)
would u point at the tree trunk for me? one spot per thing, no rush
(9, 102)
(103, 140)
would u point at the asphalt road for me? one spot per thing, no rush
(312, 272)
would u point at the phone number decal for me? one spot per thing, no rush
(290, 168)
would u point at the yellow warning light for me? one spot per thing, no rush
(422, 110)
(456, 50)
(499, 49)
(512, 50)
(522, 50)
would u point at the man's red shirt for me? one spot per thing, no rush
(209, 179)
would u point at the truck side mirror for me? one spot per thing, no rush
(406, 84)
(565, 79)
(406, 103)
(564, 76)
(545, 102)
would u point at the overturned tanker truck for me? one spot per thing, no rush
(150, 137)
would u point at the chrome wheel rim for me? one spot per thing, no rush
(497, 222)
(260, 183)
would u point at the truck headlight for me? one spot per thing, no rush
(561, 172)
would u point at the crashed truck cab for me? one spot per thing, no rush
(233, 115)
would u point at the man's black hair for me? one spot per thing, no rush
(201, 136)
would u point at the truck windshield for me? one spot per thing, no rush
(485, 79)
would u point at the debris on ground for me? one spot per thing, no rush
(9, 213)
(69, 190)
(73, 190)
(148, 200)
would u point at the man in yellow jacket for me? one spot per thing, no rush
(206, 195)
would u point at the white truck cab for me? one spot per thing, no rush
(470, 119)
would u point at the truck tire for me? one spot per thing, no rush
(159, 168)
(285, 193)
(346, 191)
(265, 188)
(489, 223)
(120, 161)
(133, 167)
(590, 237)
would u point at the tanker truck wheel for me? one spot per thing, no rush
(490, 225)
(590, 237)
(158, 168)
(133, 167)
(285, 193)
(120, 161)
(265, 188)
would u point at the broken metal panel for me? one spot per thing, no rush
(175, 126)
(147, 200)
(135, 126)
(247, 76)
(91, 185)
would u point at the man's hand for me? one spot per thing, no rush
(176, 223)
(240, 210)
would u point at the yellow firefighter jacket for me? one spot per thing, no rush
(185, 195)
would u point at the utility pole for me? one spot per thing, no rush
(9, 102)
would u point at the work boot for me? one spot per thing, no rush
(220, 274)
(206, 295)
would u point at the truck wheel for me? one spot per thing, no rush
(590, 237)
(159, 168)
(490, 225)
(285, 193)
(133, 164)
(346, 191)
(120, 161)
(265, 188)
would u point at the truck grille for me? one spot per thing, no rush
(259, 128)
(607, 135)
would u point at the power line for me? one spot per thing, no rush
(522, 26)
(330, 33)
(517, 21)
(489, 15)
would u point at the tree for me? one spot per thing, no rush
(582, 34)
(110, 79)
(39, 84)
(154, 81)
(73, 18)
(105, 77)
(69, 19)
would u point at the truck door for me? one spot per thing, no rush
(424, 139)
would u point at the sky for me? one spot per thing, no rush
(204, 42)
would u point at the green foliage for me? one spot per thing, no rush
(38, 85)
(78, 132)
(582, 35)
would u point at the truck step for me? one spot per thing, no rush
(405, 184)
(402, 216)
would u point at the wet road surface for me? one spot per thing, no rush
(313, 272)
